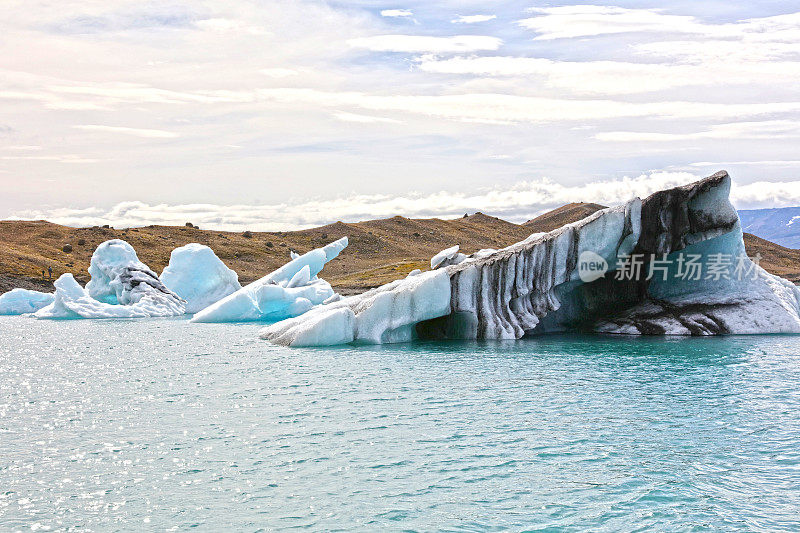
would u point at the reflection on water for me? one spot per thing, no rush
(164, 424)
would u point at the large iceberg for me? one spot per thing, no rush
(550, 283)
(197, 275)
(23, 301)
(287, 292)
(121, 287)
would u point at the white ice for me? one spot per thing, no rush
(22, 301)
(197, 275)
(753, 302)
(73, 301)
(121, 287)
(448, 256)
(287, 292)
(534, 286)
(383, 315)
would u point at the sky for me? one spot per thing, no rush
(272, 115)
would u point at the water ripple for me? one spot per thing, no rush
(159, 424)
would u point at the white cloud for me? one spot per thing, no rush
(769, 129)
(137, 132)
(66, 158)
(766, 194)
(518, 202)
(476, 107)
(718, 164)
(208, 72)
(396, 13)
(506, 108)
(278, 72)
(425, 44)
(365, 119)
(585, 20)
(618, 77)
(23, 148)
(589, 21)
(224, 25)
(472, 19)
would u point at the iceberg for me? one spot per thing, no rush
(550, 282)
(198, 276)
(121, 287)
(23, 301)
(73, 301)
(287, 292)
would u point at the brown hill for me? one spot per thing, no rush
(562, 215)
(784, 262)
(379, 251)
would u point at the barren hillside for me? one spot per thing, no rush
(380, 250)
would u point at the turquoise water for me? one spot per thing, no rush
(165, 425)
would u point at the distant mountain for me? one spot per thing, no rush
(779, 225)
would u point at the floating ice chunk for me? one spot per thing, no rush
(277, 295)
(197, 275)
(22, 301)
(118, 277)
(386, 314)
(332, 325)
(121, 287)
(73, 301)
(448, 256)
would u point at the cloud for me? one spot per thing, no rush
(150, 16)
(584, 20)
(25, 147)
(763, 194)
(569, 22)
(279, 83)
(66, 158)
(137, 132)
(718, 164)
(506, 108)
(366, 119)
(396, 13)
(425, 44)
(618, 77)
(278, 72)
(517, 202)
(472, 19)
(224, 25)
(770, 129)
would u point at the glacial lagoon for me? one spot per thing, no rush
(166, 425)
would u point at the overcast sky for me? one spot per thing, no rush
(275, 115)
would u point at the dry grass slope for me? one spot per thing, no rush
(562, 215)
(380, 250)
